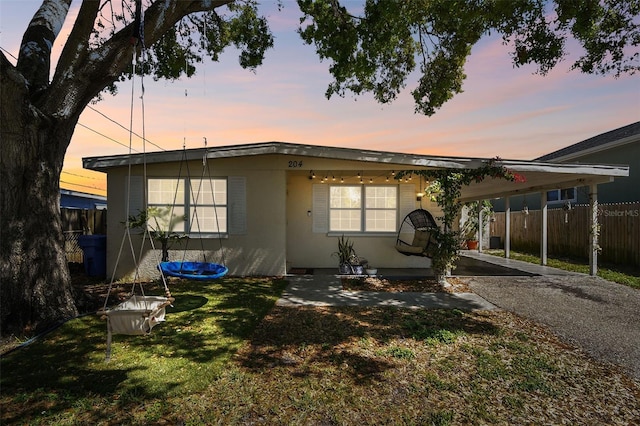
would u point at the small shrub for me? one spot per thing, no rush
(399, 352)
(435, 337)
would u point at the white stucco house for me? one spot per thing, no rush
(265, 208)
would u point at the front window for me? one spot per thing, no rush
(203, 209)
(345, 206)
(166, 205)
(381, 206)
(363, 208)
(208, 205)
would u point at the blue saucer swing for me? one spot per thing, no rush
(192, 270)
(200, 271)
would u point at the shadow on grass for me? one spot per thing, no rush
(187, 302)
(310, 341)
(65, 369)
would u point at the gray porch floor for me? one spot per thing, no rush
(471, 263)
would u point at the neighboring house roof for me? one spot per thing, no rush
(80, 200)
(616, 137)
(540, 175)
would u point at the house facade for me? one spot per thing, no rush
(618, 146)
(262, 209)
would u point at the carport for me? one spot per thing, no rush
(540, 178)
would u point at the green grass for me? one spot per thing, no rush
(207, 324)
(628, 276)
(226, 355)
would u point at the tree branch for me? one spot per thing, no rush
(76, 47)
(158, 19)
(81, 76)
(34, 59)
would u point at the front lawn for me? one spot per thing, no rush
(227, 356)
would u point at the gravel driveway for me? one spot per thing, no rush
(597, 315)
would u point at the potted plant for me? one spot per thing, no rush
(471, 228)
(348, 261)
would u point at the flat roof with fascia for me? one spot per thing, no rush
(540, 176)
(103, 163)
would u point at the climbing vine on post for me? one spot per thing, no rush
(450, 182)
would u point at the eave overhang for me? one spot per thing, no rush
(540, 176)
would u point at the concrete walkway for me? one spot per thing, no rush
(324, 287)
(518, 267)
(326, 290)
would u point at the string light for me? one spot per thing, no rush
(361, 176)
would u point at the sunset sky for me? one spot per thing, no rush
(506, 112)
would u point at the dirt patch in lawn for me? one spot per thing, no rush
(317, 365)
(381, 284)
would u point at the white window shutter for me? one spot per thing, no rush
(136, 196)
(237, 205)
(407, 200)
(320, 208)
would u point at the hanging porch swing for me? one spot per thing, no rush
(416, 234)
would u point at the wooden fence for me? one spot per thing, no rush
(76, 222)
(569, 232)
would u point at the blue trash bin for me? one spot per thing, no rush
(94, 249)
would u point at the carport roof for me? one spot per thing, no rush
(540, 176)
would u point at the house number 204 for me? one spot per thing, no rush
(294, 164)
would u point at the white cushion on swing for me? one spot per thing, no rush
(137, 315)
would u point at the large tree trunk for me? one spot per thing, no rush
(35, 288)
(37, 118)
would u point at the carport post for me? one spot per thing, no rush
(594, 231)
(480, 225)
(543, 228)
(507, 227)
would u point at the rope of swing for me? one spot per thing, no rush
(213, 196)
(136, 37)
